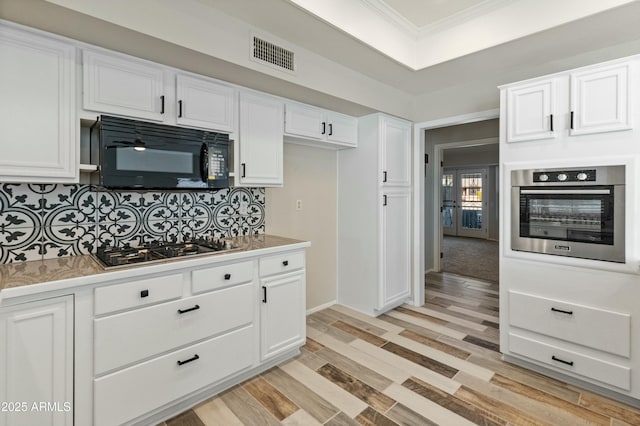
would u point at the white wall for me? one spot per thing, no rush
(310, 175)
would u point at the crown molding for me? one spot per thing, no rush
(393, 16)
(461, 16)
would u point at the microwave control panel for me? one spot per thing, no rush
(217, 164)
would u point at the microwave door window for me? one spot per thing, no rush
(153, 160)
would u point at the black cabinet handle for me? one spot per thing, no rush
(162, 104)
(384, 176)
(144, 293)
(571, 125)
(553, 357)
(324, 128)
(330, 129)
(551, 122)
(244, 169)
(562, 312)
(179, 108)
(227, 276)
(184, 311)
(264, 294)
(186, 361)
(384, 200)
(285, 263)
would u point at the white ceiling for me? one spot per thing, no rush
(534, 54)
(426, 12)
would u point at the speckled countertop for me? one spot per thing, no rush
(13, 275)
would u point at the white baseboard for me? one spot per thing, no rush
(429, 270)
(321, 307)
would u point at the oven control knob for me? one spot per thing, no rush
(582, 176)
(543, 178)
(562, 177)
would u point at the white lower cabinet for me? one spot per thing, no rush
(123, 396)
(396, 247)
(202, 330)
(36, 359)
(282, 314)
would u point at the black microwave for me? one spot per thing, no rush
(141, 155)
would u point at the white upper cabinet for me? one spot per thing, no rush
(395, 154)
(260, 141)
(318, 127)
(530, 111)
(122, 85)
(204, 103)
(600, 100)
(39, 135)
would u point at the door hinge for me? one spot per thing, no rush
(442, 164)
(441, 255)
(441, 209)
(426, 159)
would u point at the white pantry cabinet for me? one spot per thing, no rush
(282, 309)
(259, 158)
(593, 99)
(36, 355)
(119, 84)
(39, 135)
(319, 127)
(204, 103)
(374, 216)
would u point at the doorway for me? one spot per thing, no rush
(463, 208)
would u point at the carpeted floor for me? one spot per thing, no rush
(471, 257)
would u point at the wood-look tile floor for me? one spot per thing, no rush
(435, 364)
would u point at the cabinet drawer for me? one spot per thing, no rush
(132, 336)
(596, 328)
(137, 293)
(603, 371)
(279, 263)
(130, 393)
(221, 276)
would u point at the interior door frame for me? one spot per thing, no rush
(420, 170)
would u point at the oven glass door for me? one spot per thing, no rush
(577, 214)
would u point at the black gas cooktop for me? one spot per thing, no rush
(156, 251)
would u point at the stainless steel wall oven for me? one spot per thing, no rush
(575, 212)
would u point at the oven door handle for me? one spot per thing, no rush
(566, 191)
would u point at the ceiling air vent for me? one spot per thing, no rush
(272, 54)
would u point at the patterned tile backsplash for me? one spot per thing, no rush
(40, 221)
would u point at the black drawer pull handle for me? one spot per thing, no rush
(144, 293)
(264, 294)
(384, 176)
(553, 357)
(184, 311)
(571, 126)
(186, 361)
(551, 121)
(227, 276)
(162, 104)
(285, 263)
(562, 312)
(179, 109)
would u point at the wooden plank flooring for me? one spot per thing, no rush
(438, 364)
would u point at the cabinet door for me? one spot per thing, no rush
(342, 129)
(530, 111)
(282, 315)
(396, 248)
(305, 121)
(206, 104)
(261, 140)
(38, 129)
(36, 354)
(395, 155)
(600, 100)
(124, 86)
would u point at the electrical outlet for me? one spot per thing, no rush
(298, 205)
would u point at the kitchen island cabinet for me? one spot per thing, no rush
(36, 355)
(142, 344)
